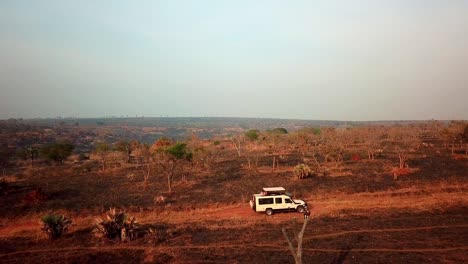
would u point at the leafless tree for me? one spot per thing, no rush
(143, 154)
(298, 237)
(403, 140)
(237, 141)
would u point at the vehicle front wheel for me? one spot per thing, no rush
(269, 211)
(300, 209)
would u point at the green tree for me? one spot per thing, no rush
(56, 152)
(252, 134)
(124, 147)
(279, 131)
(29, 153)
(171, 158)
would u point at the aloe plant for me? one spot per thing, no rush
(55, 225)
(118, 224)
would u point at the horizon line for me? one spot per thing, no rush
(225, 117)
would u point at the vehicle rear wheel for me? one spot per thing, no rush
(269, 211)
(300, 209)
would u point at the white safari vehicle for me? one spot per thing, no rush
(275, 199)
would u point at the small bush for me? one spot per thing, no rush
(160, 200)
(302, 171)
(55, 225)
(117, 225)
(252, 134)
(160, 234)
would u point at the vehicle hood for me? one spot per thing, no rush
(298, 201)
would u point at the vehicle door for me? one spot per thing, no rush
(289, 204)
(279, 203)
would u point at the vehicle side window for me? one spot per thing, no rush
(278, 200)
(265, 201)
(287, 200)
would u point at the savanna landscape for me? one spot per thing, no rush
(77, 192)
(152, 131)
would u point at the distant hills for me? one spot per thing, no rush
(207, 122)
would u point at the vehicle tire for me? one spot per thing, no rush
(269, 211)
(300, 209)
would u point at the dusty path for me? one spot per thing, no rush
(242, 245)
(342, 233)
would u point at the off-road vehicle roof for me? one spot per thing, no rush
(274, 190)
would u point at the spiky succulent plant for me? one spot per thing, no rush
(118, 224)
(55, 225)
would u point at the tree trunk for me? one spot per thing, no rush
(147, 173)
(169, 182)
(402, 161)
(297, 253)
(237, 146)
(316, 161)
(170, 176)
(303, 156)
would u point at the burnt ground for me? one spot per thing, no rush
(207, 219)
(385, 237)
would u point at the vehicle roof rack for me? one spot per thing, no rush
(274, 190)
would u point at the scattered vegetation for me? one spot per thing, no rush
(209, 182)
(118, 224)
(54, 226)
(160, 234)
(302, 171)
(56, 152)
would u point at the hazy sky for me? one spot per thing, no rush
(340, 60)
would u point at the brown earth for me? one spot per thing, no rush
(363, 216)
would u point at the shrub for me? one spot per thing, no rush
(279, 131)
(117, 225)
(160, 234)
(56, 152)
(252, 134)
(179, 150)
(302, 171)
(55, 225)
(160, 200)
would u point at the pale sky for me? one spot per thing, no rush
(333, 60)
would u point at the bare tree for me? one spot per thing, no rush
(296, 251)
(308, 144)
(453, 134)
(237, 141)
(372, 140)
(275, 147)
(143, 154)
(403, 140)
